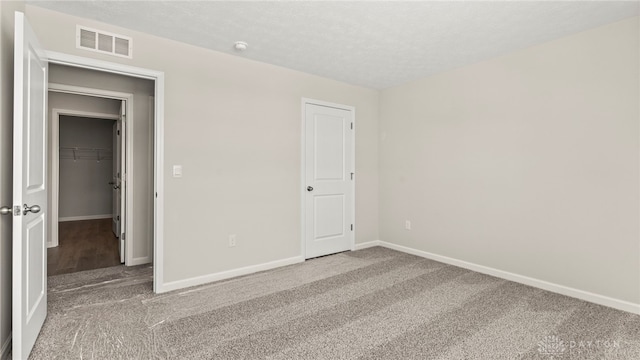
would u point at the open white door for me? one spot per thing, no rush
(328, 193)
(115, 174)
(116, 184)
(29, 189)
(120, 160)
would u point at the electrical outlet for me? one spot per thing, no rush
(232, 240)
(407, 225)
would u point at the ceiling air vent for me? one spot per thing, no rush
(103, 42)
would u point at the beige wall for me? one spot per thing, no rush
(235, 127)
(141, 128)
(7, 9)
(527, 163)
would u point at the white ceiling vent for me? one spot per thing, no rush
(103, 42)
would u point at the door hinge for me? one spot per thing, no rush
(351, 126)
(352, 176)
(118, 132)
(123, 237)
(118, 218)
(351, 227)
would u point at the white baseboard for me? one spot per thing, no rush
(541, 284)
(199, 280)
(6, 346)
(368, 244)
(85, 217)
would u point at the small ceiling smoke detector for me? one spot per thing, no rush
(240, 46)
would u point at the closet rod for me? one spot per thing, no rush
(98, 152)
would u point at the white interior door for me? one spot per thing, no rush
(120, 159)
(328, 180)
(29, 189)
(115, 174)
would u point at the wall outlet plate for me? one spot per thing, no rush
(232, 240)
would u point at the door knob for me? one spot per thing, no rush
(5, 210)
(309, 188)
(116, 187)
(34, 209)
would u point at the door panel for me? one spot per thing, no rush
(328, 185)
(34, 234)
(329, 216)
(329, 147)
(34, 127)
(30, 191)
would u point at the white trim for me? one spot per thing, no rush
(95, 92)
(328, 104)
(303, 175)
(6, 346)
(368, 244)
(158, 78)
(541, 284)
(158, 166)
(55, 156)
(101, 65)
(127, 181)
(85, 217)
(303, 165)
(199, 280)
(151, 107)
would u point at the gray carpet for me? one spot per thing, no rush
(368, 304)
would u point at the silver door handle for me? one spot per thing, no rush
(6, 210)
(34, 209)
(309, 188)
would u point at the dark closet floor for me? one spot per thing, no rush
(83, 245)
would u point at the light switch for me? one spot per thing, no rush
(177, 171)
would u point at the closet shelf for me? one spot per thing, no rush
(81, 153)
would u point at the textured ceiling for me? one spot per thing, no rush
(374, 44)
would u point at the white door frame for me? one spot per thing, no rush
(303, 183)
(54, 147)
(158, 161)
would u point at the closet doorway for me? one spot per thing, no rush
(89, 150)
(88, 194)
